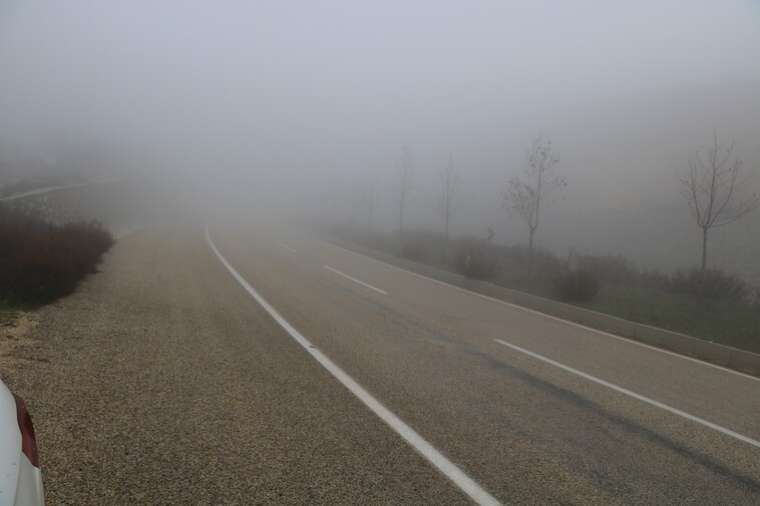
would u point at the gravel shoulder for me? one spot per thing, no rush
(160, 382)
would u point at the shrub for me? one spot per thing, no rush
(423, 246)
(710, 284)
(655, 280)
(473, 260)
(40, 261)
(614, 269)
(415, 250)
(577, 286)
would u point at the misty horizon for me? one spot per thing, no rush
(303, 107)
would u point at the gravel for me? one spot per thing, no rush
(158, 382)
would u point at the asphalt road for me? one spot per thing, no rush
(164, 381)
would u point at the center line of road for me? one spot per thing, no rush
(642, 398)
(292, 250)
(336, 271)
(436, 458)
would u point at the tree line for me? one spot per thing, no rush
(713, 188)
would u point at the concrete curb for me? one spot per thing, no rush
(683, 344)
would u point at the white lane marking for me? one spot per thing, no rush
(292, 250)
(630, 393)
(550, 317)
(50, 189)
(41, 191)
(336, 271)
(444, 465)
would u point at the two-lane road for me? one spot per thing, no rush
(259, 365)
(533, 409)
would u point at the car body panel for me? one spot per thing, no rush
(20, 481)
(29, 488)
(10, 447)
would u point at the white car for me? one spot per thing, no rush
(20, 476)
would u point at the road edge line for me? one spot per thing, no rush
(426, 450)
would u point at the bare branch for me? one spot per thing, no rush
(711, 188)
(525, 194)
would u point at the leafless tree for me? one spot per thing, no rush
(405, 181)
(525, 194)
(449, 183)
(711, 189)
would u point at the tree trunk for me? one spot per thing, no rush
(401, 228)
(530, 241)
(704, 249)
(401, 220)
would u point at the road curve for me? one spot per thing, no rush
(649, 427)
(162, 380)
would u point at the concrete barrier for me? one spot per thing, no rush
(683, 344)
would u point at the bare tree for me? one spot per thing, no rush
(710, 188)
(405, 181)
(449, 183)
(525, 194)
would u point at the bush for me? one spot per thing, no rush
(655, 280)
(473, 260)
(577, 286)
(414, 250)
(423, 246)
(710, 284)
(613, 269)
(40, 261)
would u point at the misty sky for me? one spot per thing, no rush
(312, 101)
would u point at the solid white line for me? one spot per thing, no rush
(336, 271)
(444, 465)
(630, 393)
(292, 250)
(551, 317)
(49, 189)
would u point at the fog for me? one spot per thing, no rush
(303, 106)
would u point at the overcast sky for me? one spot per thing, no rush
(310, 98)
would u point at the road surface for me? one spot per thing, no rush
(260, 365)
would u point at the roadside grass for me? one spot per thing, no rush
(724, 322)
(7, 311)
(719, 321)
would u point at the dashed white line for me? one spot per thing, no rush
(436, 458)
(551, 317)
(292, 250)
(625, 391)
(339, 273)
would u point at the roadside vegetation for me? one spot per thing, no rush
(7, 312)
(700, 301)
(41, 261)
(710, 304)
